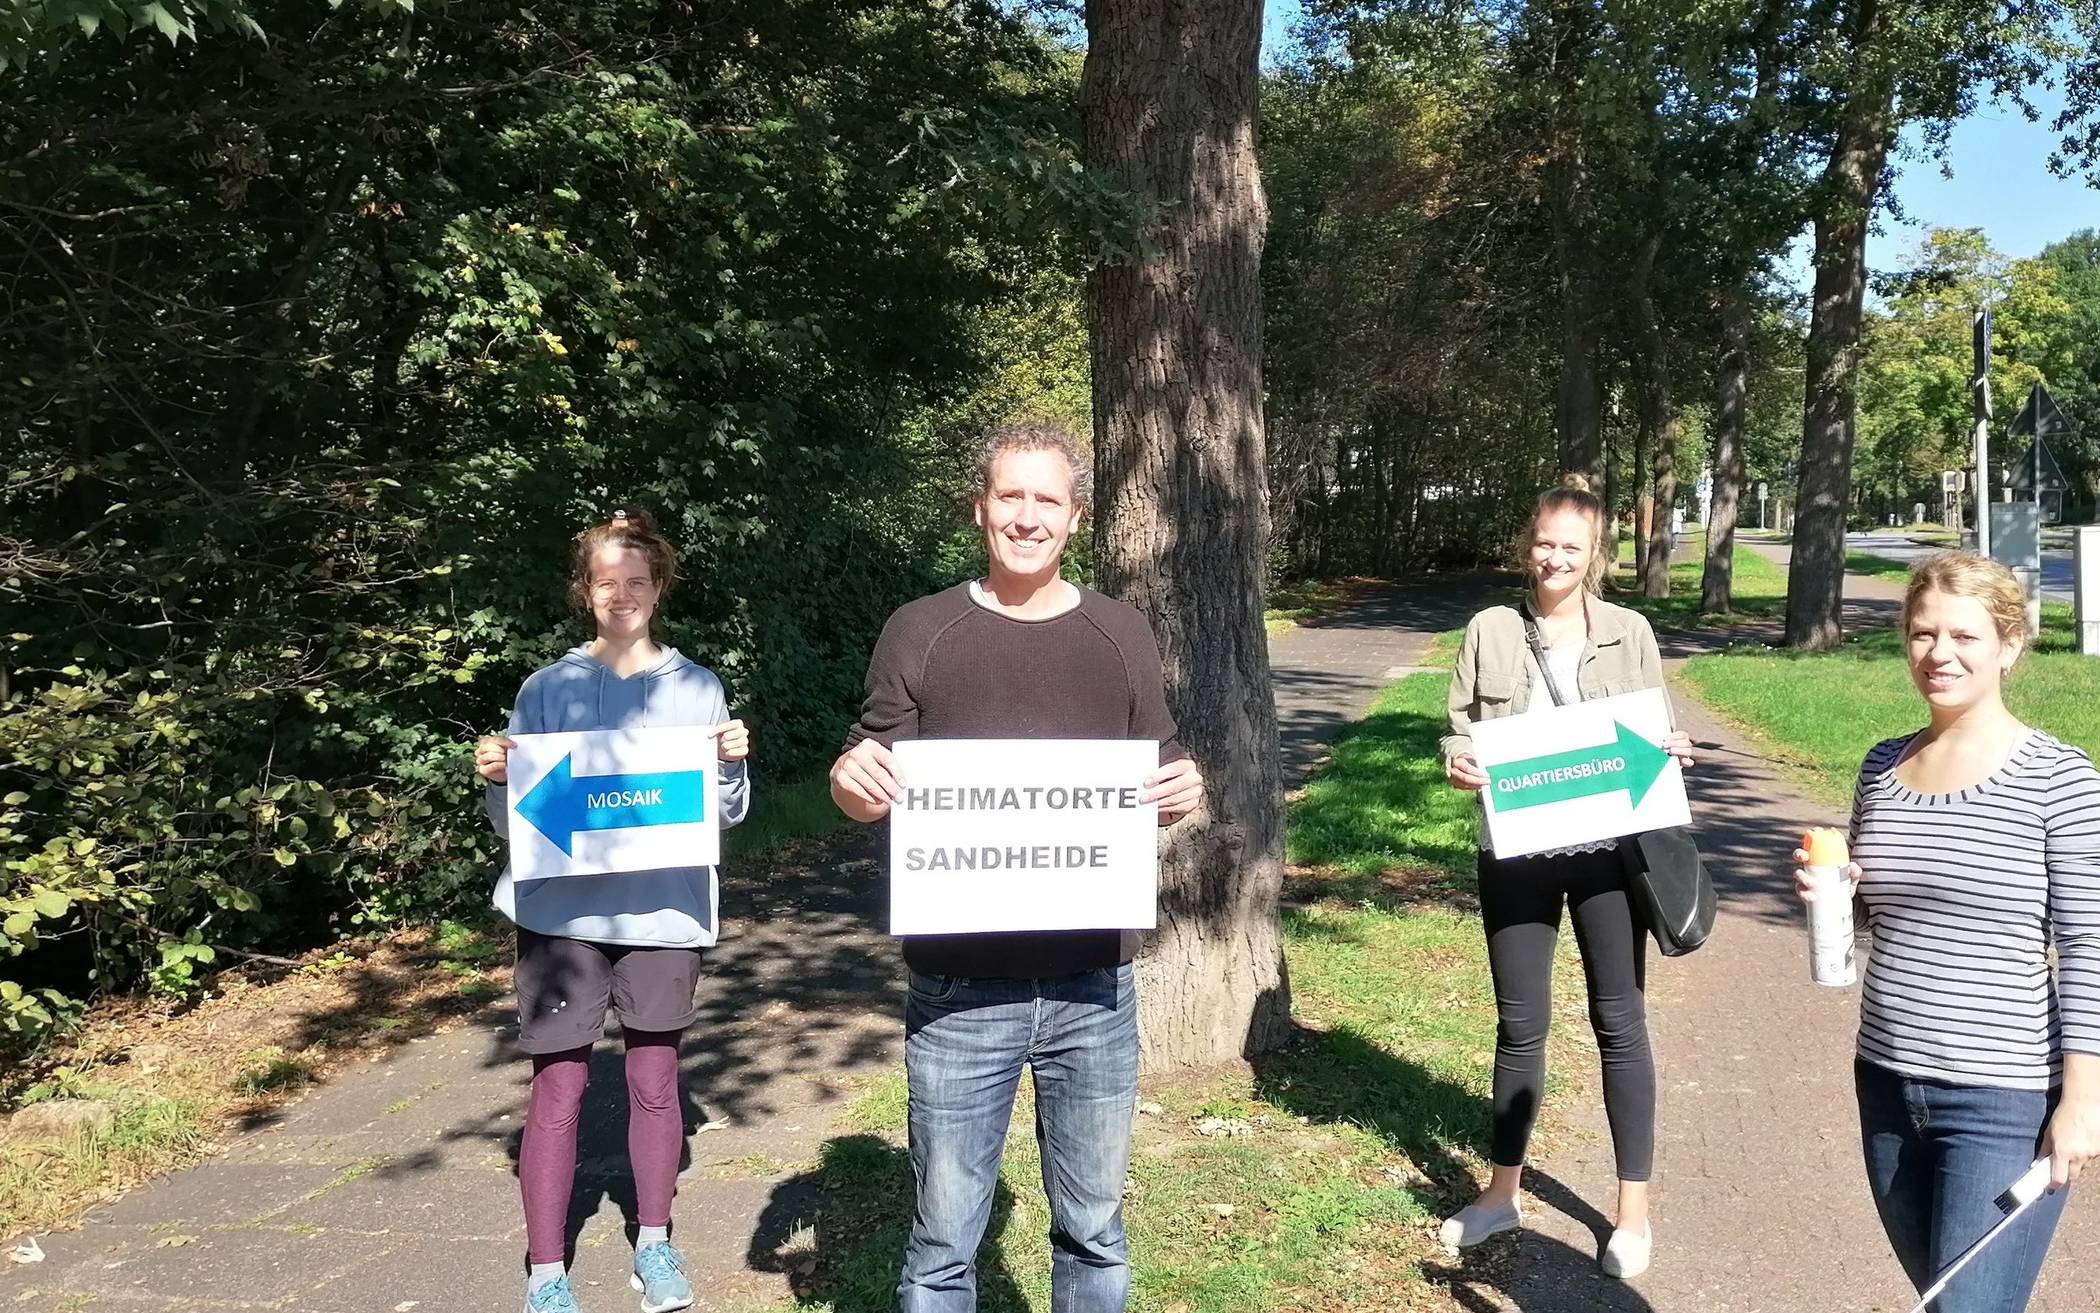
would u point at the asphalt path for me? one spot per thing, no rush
(2056, 564)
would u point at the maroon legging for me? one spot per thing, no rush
(547, 1158)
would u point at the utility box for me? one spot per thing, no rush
(2016, 542)
(2086, 558)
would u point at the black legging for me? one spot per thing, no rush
(1520, 902)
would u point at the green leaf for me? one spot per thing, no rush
(51, 904)
(18, 925)
(158, 15)
(15, 799)
(285, 856)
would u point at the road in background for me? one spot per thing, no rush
(1897, 546)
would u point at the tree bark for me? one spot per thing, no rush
(1658, 423)
(1573, 214)
(1815, 591)
(1169, 101)
(1731, 419)
(1643, 495)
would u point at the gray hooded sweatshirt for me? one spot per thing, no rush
(672, 908)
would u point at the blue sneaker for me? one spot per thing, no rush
(659, 1273)
(554, 1297)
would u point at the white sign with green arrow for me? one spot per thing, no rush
(1559, 776)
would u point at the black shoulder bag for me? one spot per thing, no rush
(1663, 872)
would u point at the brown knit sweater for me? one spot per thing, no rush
(949, 668)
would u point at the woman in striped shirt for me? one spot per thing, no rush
(1977, 848)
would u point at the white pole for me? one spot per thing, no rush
(2086, 583)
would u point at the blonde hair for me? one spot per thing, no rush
(1965, 574)
(1572, 493)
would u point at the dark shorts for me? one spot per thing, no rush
(564, 987)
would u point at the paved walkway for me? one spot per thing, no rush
(393, 1188)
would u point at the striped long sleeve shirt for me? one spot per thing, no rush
(1965, 893)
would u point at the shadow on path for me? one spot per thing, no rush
(1327, 670)
(837, 1231)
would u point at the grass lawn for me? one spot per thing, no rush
(1293, 604)
(1880, 567)
(1824, 710)
(1759, 586)
(784, 812)
(1313, 1178)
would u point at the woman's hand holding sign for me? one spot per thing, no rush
(1679, 745)
(732, 740)
(1465, 773)
(492, 758)
(1177, 787)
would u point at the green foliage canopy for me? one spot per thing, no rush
(322, 348)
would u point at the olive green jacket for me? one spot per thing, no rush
(1494, 674)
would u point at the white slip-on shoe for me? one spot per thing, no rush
(1627, 1253)
(1476, 1222)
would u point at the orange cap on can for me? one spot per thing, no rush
(1825, 846)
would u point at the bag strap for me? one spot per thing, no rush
(1538, 654)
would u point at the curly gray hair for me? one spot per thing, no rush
(1037, 435)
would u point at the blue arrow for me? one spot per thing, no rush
(562, 805)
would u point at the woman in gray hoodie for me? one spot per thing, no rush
(630, 941)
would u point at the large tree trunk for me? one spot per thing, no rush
(1169, 98)
(1731, 418)
(1658, 422)
(1643, 497)
(1573, 213)
(1815, 590)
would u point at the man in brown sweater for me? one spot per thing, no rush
(1020, 654)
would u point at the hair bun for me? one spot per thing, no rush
(1577, 481)
(634, 517)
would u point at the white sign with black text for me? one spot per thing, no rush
(1023, 834)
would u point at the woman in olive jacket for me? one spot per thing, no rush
(1592, 649)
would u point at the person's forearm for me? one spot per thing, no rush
(2082, 1080)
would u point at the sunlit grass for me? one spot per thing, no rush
(1824, 710)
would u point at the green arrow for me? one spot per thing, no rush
(1632, 763)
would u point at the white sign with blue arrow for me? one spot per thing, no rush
(613, 800)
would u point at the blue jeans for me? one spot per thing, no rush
(964, 1044)
(1938, 1155)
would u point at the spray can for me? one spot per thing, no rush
(1830, 958)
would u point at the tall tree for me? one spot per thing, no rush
(1883, 64)
(1659, 425)
(1563, 57)
(1169, 102)
(1731, 420)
